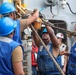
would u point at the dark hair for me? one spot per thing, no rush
(6, 15)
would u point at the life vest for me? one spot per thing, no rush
(34, 55)
(45, 63)
(16, 36)
(72, 60)
(6, 48)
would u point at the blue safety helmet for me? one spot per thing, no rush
(7, 7)
(44, 31)
(7, 26)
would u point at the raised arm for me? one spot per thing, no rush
(25, 22)
(52, 37)
(36, 39)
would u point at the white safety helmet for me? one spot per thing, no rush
(60, 35)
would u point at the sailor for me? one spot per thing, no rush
(45, 64)
(8, 10)
(62, 47)
(11, 54)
